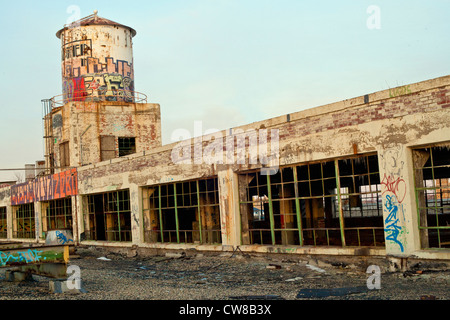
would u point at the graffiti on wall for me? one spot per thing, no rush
(393, 190)
(392, 228)
(91, 80)
(395, 185)
(399, 91)
(62, 238)
(27, 256)
(46, 188)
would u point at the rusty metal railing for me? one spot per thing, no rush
(113, 95)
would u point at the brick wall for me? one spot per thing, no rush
(424, 98)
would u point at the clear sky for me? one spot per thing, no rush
(223, 62)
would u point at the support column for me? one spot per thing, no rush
(230, 220)
(9, 221)
(75, 219)
(37, 220)
(137, 232)
(398, 200)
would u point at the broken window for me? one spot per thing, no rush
(24, 226)
(317, 185)
(183, 212)
(253, 185)
(325, 203)
(107, 147)
(64, 156)
(108, 216)
(258, 207)
(432, 186)
(3, 223)
(127, 146)
(360, 196)
(57, 214)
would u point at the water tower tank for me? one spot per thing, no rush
(97, 60)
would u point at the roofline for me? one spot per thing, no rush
(77, 23)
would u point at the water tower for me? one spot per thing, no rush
(97, 60)
(99, 116)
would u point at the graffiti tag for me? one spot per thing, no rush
(31, 255)
(396, 186)
(391, 221)
(59, 185)
(61, 237)
(399, 91)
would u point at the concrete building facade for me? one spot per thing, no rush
(368, 176)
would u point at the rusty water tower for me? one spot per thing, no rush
(97, 60)
(99, 116)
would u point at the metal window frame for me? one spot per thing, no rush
(162, 203)
(339, 195)
(434, 190)
(58, 208)
(115, 206)
(126, 146)
(22, 213)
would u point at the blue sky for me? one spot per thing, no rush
(223, 62)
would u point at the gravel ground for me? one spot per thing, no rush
(226, 276)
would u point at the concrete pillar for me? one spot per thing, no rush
(38, 220)
(9, 221)
(230, 219)
(76, 219)
(398, 200)
(82, 218)
(137, 232)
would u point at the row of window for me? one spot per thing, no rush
(332, 203)
(327, 203)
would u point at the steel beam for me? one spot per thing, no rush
(23, 256)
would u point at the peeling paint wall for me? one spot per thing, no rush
(82, 124)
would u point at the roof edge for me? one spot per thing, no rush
(93, 20)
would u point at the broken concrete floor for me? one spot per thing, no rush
(228, 276)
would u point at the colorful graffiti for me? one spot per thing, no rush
(90, 80)
(62, 238)
(46, 188)
(30, 255)
(399, 91)
(393, 190)
(393, 209)
(395, 185)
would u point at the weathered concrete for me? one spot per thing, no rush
(18, 276)
(61, 286)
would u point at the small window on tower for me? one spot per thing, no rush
(127, 146)
(64, 156)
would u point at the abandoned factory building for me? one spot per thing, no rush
(365, 176)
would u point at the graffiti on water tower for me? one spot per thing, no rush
(89, 79)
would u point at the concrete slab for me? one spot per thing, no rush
(58, 286)
(18, 276)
